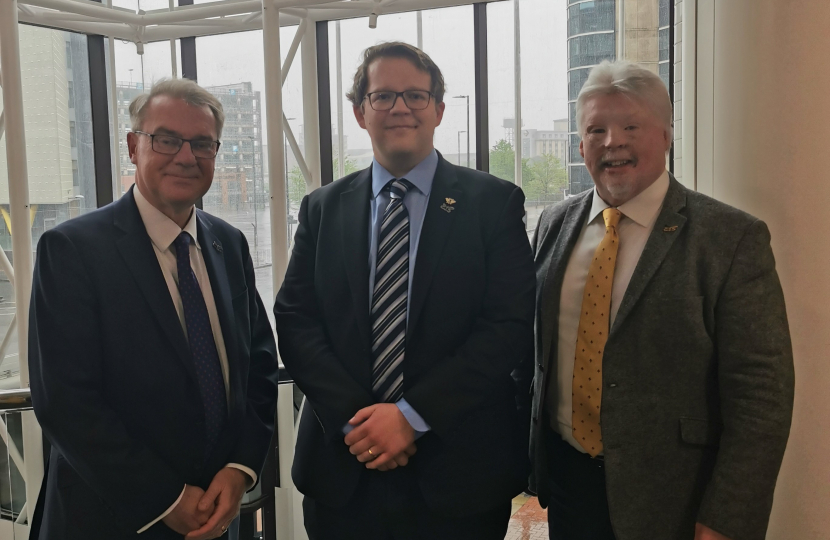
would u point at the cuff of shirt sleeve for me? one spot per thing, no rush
(244, 469)
(164, 515)
(415, 420)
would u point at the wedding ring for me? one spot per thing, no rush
(370, 452)
(224, 528)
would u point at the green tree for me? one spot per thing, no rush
(548, 180)
(349, 166)
(296, 185)
(502, 158)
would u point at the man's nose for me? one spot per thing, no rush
(400, 106)
(185, 154)
(614, 137)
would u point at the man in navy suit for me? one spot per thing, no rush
(153, 365)
(407, 303)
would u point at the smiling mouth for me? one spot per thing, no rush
(613, 164)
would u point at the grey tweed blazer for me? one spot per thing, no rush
(698, 371)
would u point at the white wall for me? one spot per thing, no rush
(771, 149)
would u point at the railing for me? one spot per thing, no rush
(258, 507)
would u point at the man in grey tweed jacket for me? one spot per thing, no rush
(695, 373)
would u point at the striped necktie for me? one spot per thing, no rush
(202, 345)
(389, 297)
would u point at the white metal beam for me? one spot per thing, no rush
(295, 148)
(311, 111)
(517, 88)
(20, 226)
(292, 51)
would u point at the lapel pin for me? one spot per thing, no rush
(448, 205)
(217, 246)
(670, 229)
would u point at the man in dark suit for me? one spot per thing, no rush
(407, 303)
(663, 382)
(153, 365)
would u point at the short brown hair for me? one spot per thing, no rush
(184, 89)
(395, 49)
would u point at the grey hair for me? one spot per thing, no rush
(629, 79)
(183, 89)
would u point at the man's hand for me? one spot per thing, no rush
(381, 433)
(224, 495)
(401, 460)
(702, 532)
(188, 515)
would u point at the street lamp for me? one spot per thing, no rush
(459, 146)
(468, 127)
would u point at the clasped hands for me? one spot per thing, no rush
(202, 515)
(382, 437)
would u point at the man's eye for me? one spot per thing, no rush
(167, 141)
(382, 96)
(415, 96)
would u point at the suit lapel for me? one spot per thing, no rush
(354, 224)
(667, 228)
(558, 262)
(213, 254)
(137, 251)
(434, 234)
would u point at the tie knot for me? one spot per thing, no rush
(611, 216)
(182, 241)
(398, 188)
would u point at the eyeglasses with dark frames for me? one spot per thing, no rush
(170, 145)
(384, 100)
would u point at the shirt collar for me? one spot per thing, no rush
(161, 229)
(421, 176)
(642, 209)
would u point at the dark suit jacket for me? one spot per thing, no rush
(470, 323)
(698, 370)
(113, 382)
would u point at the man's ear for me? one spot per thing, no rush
(581, 150)
(358, 114)
(439, 109)
(132, 143)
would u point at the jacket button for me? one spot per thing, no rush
(612, 385)
(541, 367)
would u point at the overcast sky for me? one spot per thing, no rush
(447, 38)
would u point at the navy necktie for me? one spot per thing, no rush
(389, 297)
(202, 345)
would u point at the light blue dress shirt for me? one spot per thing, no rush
(415, 202)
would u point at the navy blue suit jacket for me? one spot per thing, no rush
(113, 382)
(470, 324)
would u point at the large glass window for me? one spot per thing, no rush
(501, 91)
(591, 16)
(591, 49)
(134, 74)
(61, 176)
(447, 36)
(240, 192)
(544, 105)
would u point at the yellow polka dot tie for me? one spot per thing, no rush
(591, 338)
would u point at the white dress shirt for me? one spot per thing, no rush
(163, 231)
(635, 226)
